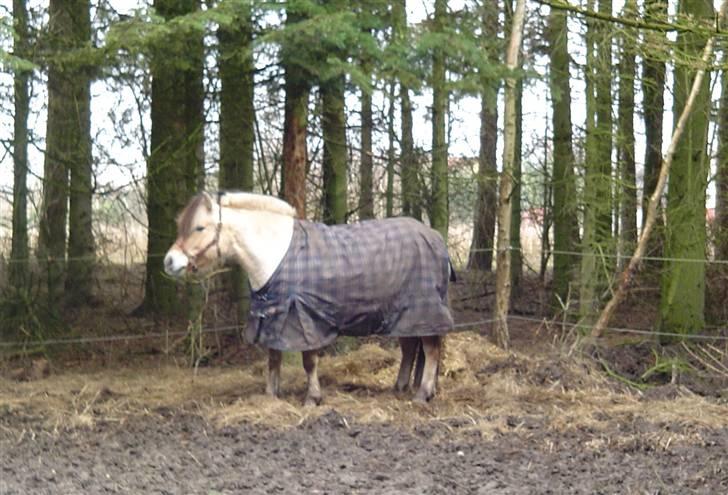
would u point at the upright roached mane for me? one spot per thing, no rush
(311, 282)
(260, 202)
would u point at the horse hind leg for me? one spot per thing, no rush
(310, 365)
(419, 365)
(409, 347)
(431, 347)
(273, 385)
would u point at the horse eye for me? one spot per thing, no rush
(200, 228)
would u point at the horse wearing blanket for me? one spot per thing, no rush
(311, 282)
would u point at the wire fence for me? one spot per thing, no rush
(459, 327)
(582, 254)
(462, 326)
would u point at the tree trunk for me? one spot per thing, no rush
(653, 110)
(516, 253)
(295, 153)
(19, 253)
(626, 139)
(604, 131)
(80, 212)
(682, 293)
(439, 207)
(598, 164)
(175, 166)
(390, 152)
(411, 197)
(720, 225)
(366, 163)
(67, 150)
(237, 124)
(481, 248)
(503, 269)
(333, 123)
(566, 231)
(653, 90)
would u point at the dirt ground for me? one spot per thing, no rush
(131, 418)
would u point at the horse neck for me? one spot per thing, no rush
(256, 240)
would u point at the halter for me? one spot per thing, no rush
(192, 260)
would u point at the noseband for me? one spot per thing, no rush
(192, 259)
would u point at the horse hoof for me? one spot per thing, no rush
(400, 389)
(422, 398)
(312, 401)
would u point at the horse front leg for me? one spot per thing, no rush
(273, 385)
(310, 365)
(431, 347)
(409, 346)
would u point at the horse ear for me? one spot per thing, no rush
(207, 201)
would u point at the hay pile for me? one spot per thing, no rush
(481, 388)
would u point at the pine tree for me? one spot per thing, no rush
(175, 167)
(625, 138)
(564, 186)
(237, 121)
(67, 151)
(333, 123)
(682, 292)
(19, 265)
(481, 254)
(80, 207)
(295, 123)
(411, 194)
(439, 211)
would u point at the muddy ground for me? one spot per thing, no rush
(182, 453)
(512, 424)
(127, 417)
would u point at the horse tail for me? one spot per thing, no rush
(453, 276)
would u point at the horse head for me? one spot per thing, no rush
(197, 246)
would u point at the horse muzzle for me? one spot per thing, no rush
(177, 263)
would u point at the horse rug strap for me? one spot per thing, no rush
(383, 277)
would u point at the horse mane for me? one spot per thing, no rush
(256, 202)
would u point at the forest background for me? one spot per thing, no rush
(115, 113)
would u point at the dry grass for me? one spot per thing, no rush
(482, 388)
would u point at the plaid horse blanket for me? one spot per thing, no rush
(377, 277)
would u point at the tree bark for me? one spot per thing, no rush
(67, 150)
(439, 211)
(720, 226)
(598, 164)
(295, 151)
(682, 293)
(175, 166)
(566, 234)
(19, 264)
(390, 152)
(80, 212)
(653, 90)
(409, 173)
(503, 271)
(237, 124)
(481, 248)
(626, 139)
(366, 162)
(516, 253)
(333, 123)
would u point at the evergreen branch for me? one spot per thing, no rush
(660, 26)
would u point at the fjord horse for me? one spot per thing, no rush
(258, 232)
